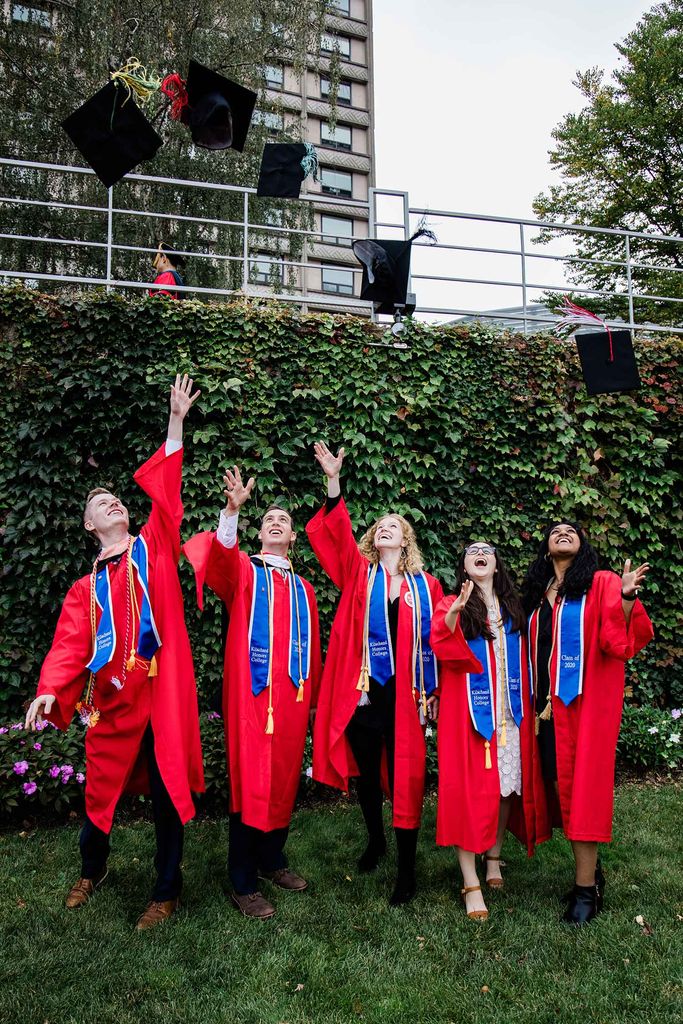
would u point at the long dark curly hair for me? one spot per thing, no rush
(577, 579)
(474, 615)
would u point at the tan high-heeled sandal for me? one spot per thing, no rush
(474, 915)
(494, 883)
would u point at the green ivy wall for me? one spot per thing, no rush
(469, 432)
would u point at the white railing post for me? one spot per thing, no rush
(629, 280)
(110, 233)
(522, 251)
(245, 245)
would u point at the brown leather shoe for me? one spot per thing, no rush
(286, 879)
(80, 893)
(253, 904)
(155, 913)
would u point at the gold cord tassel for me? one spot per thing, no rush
(130, 664)
(270, 728)
(364, 679)
(538, 724)
(153, 667)
(503, 734)
(547, 712)
(424, 703)
(300, 692)
(487, 763)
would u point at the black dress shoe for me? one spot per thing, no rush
(404, 890)
(583, 905)
(371, 856)
(600, 883)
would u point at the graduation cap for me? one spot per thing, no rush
(284, 166)
(112, 133)
(216, 110)
(608, 362)
(386, 270)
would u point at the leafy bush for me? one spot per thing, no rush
(651, 738)
(43, 769)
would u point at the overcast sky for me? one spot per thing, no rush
(467, 95)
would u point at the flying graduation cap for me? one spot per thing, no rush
(110, 130)
(284, 166)
(217, 111)
(608, 362)
(386, 270)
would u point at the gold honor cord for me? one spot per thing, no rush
(417, 646)
(364, 678)
(270, 726)
(300, 691)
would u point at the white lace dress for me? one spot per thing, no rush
(509, 758)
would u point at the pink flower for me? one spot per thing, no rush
(17, 725)
(29, 788)
(54, 771)
(80, 778)
(20, 767)
(4, 729)
(676, 713)
(37, 746)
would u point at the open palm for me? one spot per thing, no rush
(330, 464)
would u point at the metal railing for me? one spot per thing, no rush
(442, 273)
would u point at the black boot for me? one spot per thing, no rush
(406, 845)
(600, 883)
(583, 905)
(370, 800)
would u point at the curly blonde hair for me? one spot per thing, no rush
(411, 559)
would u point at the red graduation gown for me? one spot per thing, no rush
(169, 699)
(332, 539)
(263, 770)
(586, 732)
(469, 792)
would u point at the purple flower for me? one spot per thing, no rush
(54, 771)
(37, 746)
(29, 788)
(212, 716)
(42, 725)
(676, 713)
(20, 767)
(4, 729)
(17, 725)
(80, 778)
(67, 771)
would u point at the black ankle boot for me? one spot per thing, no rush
(600, 883)
(406, 847)
(583, 905)
(404, 890)
(371, 855)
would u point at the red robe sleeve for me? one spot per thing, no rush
(165, 278)
(331, 537)
(63, 673)
(615, 639)
(316, 659)
(451, 647)
(161, 479)
(215, 566)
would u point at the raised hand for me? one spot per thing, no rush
(235, 491)
(459, 603)
(631, 582)
(330, 464)
(40, 706)
(181, 396)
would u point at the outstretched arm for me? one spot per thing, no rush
(181, 401)
(631, 582)
(331, 467)
(461, 600)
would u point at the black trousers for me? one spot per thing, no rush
(250, 851)
(95, 844)
(371, 727)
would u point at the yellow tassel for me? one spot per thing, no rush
(487, 763)
(300, 692)
(424, 704)
(130, 664)
(538, 724)
(364, 679)
(547, 712)
(269, 724)
(503, 734)
(153, 667)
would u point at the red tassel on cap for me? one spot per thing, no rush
(173, 86)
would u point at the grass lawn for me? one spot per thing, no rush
(338, 953)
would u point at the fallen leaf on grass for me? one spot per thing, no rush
(21, 903)
(299, 988)
(485, 988)
(645, 927)
(348, 878)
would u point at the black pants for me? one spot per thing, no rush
(250, 851)
(95, 844)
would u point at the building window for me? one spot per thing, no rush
(274, 122)
(274, 76)
(330, 43)
(338, 282)
(343, 92)
(34, 15)
(265, 270)
(338, 137)
(336, 230)
(336, 183)
(341, 6)
(274, 217)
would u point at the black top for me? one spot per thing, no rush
(546, 730)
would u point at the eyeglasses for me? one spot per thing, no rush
(480, 549)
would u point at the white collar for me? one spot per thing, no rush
(277, 561)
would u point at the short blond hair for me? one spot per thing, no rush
(411, 559)
(93, 494)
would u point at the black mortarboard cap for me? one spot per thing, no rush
(607, 368)
(218, 111)
(386, 269)
(112, 133)
(284, 166)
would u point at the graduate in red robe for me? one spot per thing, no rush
(270, 687)
(167, 263)
(121, 634)
(488, 765)
(584, 625)
(380, 682)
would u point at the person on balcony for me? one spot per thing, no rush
(167, 263)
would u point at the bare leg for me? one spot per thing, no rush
(586, 857)
(493, 866)
(473, 900)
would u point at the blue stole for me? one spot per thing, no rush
(105, 636)
(261, 630)
(380, 654)
(480, 695)
(569, 635)
(423, 655)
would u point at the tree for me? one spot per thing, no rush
(60, 54)
(620, 159)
